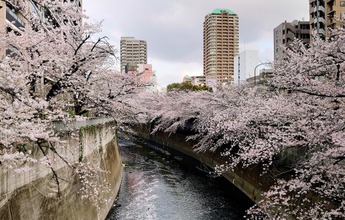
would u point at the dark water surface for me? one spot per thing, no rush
(160, 185)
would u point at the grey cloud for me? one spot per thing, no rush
(173, 28)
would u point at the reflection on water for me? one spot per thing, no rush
(157, 186)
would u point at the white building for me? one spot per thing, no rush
(198, 80)
(245, 64)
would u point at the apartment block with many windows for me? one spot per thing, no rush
(221, 45)
(325, 14)
(132, 53)
(285, 33)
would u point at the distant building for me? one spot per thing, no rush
(245, 64)
(287, 32)
(198, 80)
(145, 77)
(194, 80)
(187, 78)
(145, 73)
(263, 76)
(132, 53)
(221, 45)
(324, 15)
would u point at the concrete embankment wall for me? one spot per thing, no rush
(34, 194)
(248, 180)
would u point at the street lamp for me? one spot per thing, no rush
(266, 63)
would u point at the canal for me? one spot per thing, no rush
(162, 185)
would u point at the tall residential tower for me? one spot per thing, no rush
(132, 53)
(221, 45)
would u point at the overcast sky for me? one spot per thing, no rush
(173, 29)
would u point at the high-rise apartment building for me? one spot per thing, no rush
(132, 53)
(285, 33)
(221, 45)
(324, 15)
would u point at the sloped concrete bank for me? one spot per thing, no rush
(248, 180)
(34, 195)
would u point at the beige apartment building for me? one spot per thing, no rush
(221, 45)
(324, 14)
(132, 53)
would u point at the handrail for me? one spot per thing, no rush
(61, 126)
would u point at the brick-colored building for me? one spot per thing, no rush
(221, 45)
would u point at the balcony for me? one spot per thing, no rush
(319, 20)
(321, 32)
(319, 8)
(14, 19)
(12, 51)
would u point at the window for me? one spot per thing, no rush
(342, 3)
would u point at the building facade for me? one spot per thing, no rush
(324, 15)
(285, 33)
(132, 53)
(220, 45)
(12, 16)
(245, 64)
(145, 78)
(15, 16)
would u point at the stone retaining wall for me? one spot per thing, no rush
(248, 180)
(33, 195)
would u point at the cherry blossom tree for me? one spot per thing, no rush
(55, 70)
(296, 120)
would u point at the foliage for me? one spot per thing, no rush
(301, 109)
(187, 86)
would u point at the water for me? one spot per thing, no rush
(160, 185)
